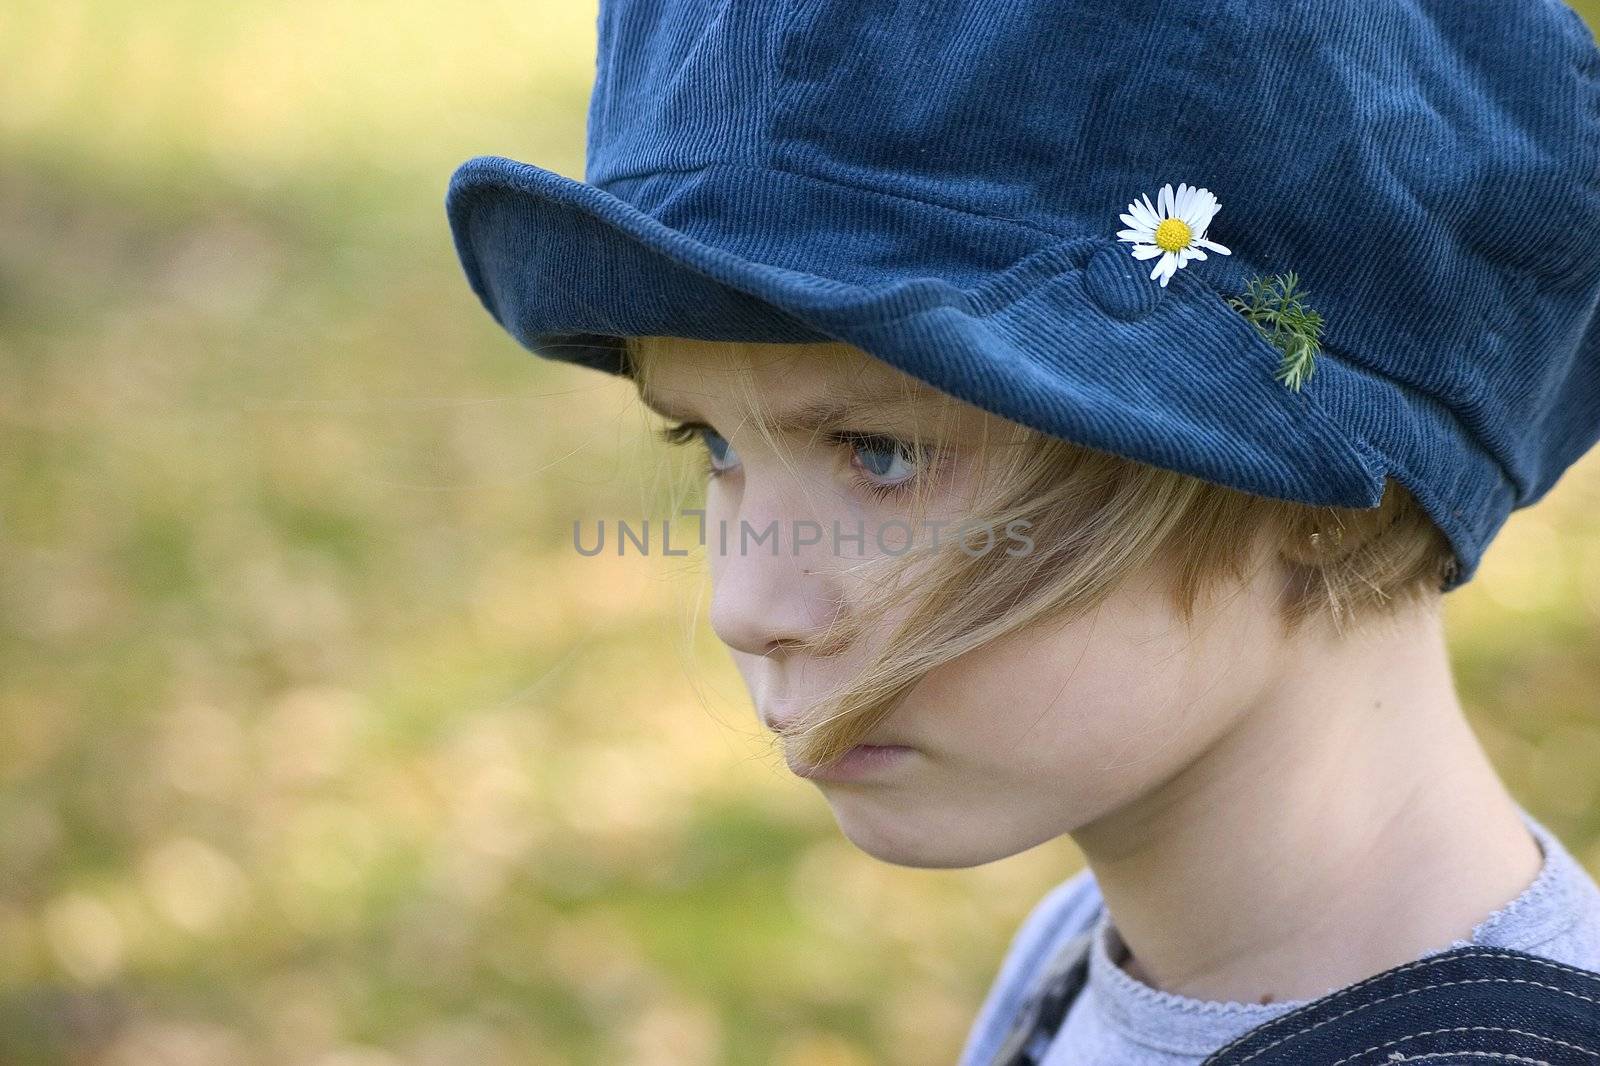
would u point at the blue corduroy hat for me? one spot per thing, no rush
(1090, 218)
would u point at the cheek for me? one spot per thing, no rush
(1081, 717)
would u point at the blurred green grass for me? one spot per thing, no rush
(317, 743)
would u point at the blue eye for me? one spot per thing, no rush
(884, 465)
(884, 458)
(887, 465)
(720, 456)
(719, 449)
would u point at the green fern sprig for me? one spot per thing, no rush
(1295, 329)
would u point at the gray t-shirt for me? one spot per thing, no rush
(1119, 1020)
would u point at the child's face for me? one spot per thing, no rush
(1015, 743)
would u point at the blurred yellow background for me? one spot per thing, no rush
(319, 746)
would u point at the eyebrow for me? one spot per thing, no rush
(816, 416)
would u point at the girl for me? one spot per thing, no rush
(1040, 505)
(1240, 709)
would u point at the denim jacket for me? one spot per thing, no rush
(1469, 1006)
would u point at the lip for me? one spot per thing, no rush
(860, 762)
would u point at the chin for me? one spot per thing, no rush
(914, 843)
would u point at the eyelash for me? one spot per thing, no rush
(687, 432)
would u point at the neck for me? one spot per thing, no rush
(1347, 823)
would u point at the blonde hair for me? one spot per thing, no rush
(1098, 520)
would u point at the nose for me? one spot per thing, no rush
(766, 602)
(768, 606)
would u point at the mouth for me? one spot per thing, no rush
(859, 763)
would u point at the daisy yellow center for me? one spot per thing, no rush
(1173, 234)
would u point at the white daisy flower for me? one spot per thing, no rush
(1174, 229)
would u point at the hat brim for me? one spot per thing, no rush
(1066, 335)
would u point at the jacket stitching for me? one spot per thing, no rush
(1413, 991)
(1456, 1055)
(1427, 964)
(1467, 1029)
